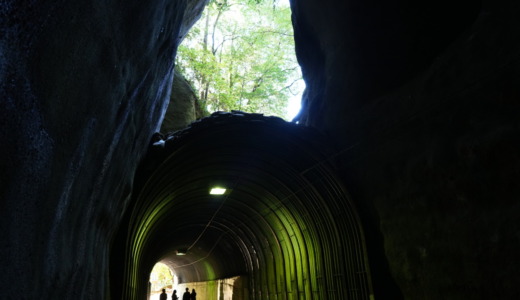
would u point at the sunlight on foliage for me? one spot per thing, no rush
(240, 56)
(161, 277)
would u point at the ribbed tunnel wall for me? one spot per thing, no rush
(286, 224)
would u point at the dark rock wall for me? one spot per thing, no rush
(424, 102)
(84, 85)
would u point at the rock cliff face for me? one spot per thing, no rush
(84, 86)
(422, 100)
(183, 107)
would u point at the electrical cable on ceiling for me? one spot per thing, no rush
(213, 217)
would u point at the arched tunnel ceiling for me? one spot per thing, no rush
(282, 205)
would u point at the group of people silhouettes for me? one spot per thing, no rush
(186, 296)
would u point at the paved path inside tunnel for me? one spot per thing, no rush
(156, 295)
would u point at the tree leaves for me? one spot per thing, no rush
(240, 56)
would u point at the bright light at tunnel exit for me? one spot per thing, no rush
(162, 277)
(217, 191)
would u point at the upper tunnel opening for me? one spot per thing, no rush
(285, 223)
(240, 55)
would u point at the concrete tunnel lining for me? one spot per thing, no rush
(287, 224)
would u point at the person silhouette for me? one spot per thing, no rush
(186, 295)
(163, 295)
(193, 295)
(174, 295)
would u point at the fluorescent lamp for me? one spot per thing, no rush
(181, 252)
(217, 191)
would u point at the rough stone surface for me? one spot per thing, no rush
(84, 85)
(183, 108)
(429, 137)
(422, 98)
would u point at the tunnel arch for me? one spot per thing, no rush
(286, 224)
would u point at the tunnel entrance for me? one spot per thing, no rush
(284, 228)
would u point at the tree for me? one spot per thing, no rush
(240, 56)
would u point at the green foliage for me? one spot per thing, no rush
(240, 56)
(161, 277)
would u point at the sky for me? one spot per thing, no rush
(293, 106)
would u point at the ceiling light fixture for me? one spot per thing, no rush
(217, 191)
